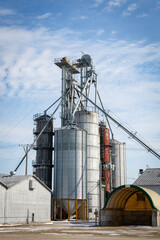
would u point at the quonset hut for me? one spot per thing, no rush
(131, 205)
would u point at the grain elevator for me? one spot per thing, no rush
(86, 157)
(88, 163)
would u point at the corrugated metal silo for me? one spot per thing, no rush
(43, 164)
(70, 175)
(89, 122)
(119, 160)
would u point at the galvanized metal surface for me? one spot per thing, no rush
(70, 164)
(150, 179)
(11, 180)
(118, 158)
(89, 122)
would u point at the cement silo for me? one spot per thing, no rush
(43, 146)
(118, 160)
(70, 176)
(89, 121)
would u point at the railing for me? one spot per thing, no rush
(43, 145)
(90, 109)
(35, 164)
(37, 115)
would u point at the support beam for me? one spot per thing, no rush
(132, 135)
(39, 134)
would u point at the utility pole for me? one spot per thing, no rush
(25, 147)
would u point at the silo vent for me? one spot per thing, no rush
(140, 171)
(31, 185)
(12, 173)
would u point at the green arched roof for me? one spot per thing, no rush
(118, 198)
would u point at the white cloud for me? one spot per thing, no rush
(113, 33)
(97, 3)
(6, 12)
(130, 9)
(83, 17)
(114, 3)
(44, 16)
(27, 58)
(143, 15)
(128, 77)
(100, 32)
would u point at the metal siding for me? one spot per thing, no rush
(44, 149)
(2, 203)
(155, 188)
(70, 164)
(119, 160)
(20, 200)
(150, 177)
(89, 121)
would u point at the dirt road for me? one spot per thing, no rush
(74, 230)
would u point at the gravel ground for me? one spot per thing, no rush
(76, 230)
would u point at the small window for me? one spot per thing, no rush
(31, 184)
(140, 197)
(90, 210)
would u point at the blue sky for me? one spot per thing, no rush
(123, 39)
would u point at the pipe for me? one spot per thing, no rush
(39, 134)
(125, 129)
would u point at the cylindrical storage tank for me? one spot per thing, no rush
(89, 121)
(118, 158)
(105, 156)
(43, 164)
(70, 166)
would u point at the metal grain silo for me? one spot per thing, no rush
(70, 175)
(43, 164)
(118, 159)
(89, 122)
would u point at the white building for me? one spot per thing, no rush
(150, 179)
(24, 199)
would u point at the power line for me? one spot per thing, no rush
(40, 132)
(9, 146)
(14, 123)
